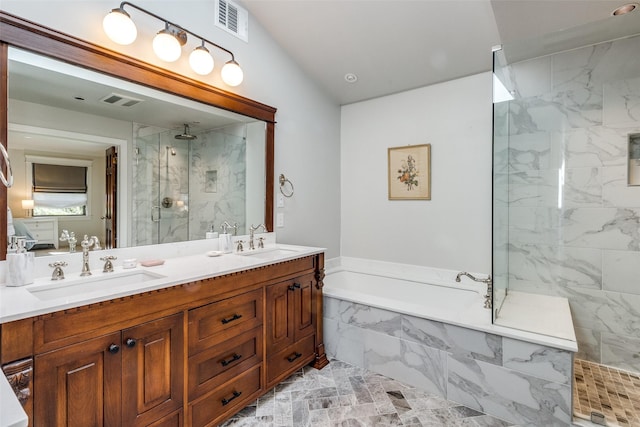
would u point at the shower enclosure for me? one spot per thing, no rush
(184, 182)
(566, 207)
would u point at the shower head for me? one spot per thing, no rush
(186, 135)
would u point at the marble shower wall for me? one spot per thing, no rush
(205, 181)
(574, 224)
(517, 381)
(217, 185)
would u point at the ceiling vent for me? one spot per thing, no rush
(233, 18)
(120, 100)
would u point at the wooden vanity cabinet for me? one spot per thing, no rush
(192, 354)
(290, 319)
(127, 378)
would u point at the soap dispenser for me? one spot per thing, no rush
(20, 263)
(225, 240)
(211, 234)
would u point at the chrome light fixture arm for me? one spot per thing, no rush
(167, 44)
(172, 24)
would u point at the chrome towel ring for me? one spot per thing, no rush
(8, 180)
(283, 180)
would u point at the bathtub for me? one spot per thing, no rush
(417, 325)
(452, 303)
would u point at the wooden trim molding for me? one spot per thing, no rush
(20, 376)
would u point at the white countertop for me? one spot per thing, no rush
(23, 302)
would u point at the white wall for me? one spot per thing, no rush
(307, 130)
(453, 229)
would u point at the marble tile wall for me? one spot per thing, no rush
(516, 381)
(198, 201)
(573, 223)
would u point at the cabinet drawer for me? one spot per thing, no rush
(173, 420)
(223, 362)
(43, 236)
(41, 226)
(291, 358)
(227, 399)
(212, 323)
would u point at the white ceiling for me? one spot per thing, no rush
(398, 45)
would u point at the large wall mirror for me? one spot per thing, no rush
(163, 158)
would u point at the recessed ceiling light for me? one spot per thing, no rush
(350, 78)
(625, 9)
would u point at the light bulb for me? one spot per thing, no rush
(167, 46)
(232, 73)
(201, 60)
(119, 27)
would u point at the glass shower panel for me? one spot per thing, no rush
(173, 189)
(501, 99)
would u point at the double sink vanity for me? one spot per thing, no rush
(188, 342)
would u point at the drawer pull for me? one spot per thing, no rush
(130, 342)
(294, 286)
(294, 357)
(226, 401)
(114, 348)
(231, 319)
(233, 358)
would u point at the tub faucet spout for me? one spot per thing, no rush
(488, 298)
(472, 277)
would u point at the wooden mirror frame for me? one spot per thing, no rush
(27, 35)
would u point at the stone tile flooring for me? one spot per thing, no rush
(607, 391)
(344, 395)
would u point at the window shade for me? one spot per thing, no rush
(59, 179)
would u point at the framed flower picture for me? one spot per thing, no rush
(410, 172)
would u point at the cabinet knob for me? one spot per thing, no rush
(114, 348)
(294, 286)
(130, 342)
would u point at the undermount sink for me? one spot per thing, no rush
(269, 253)
(67, 288)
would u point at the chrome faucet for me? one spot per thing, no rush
(86, 245)
(108, 265)
(252, 231)
(57, 274)
(65, 236)
(488, 298)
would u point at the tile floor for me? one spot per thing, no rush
(344, 395)
(608, 391)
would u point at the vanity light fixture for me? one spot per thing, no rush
(167, 44)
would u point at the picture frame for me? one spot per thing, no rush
(409, 172)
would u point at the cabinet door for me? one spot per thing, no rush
(153, 366)
(303, 310)
(79, 385)
(280, 315)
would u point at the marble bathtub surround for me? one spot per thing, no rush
(518, 381)
(571, 222)
(345, 395)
